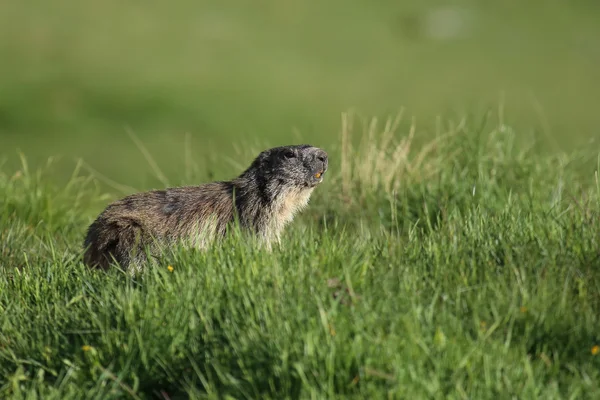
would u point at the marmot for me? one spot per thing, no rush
(263, 199)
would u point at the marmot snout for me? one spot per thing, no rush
(264, 198)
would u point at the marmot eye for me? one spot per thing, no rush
(289, 154)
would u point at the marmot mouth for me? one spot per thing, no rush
(317, 178)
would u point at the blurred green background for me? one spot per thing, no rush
(75, 75)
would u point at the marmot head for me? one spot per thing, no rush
(299, 165)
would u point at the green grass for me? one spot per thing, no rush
(465, 267)
(451, 257)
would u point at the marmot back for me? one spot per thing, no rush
(264, 198)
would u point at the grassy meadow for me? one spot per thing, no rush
(453, 250)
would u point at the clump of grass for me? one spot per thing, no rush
(39, 219)
(467, 274)
(383, 160)
(382, 172)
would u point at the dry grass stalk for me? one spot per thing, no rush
(385, 159)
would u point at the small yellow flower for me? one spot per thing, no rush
(595, 350)
(439, 339)
(86, 347)
(170, 268)
(482, 325)
(331, 330)
(523, 309)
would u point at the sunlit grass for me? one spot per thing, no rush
(465, 267)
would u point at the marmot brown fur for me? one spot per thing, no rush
(263, 199)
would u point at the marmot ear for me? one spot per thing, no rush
(262, 158)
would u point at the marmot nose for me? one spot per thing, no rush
(321, 155)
